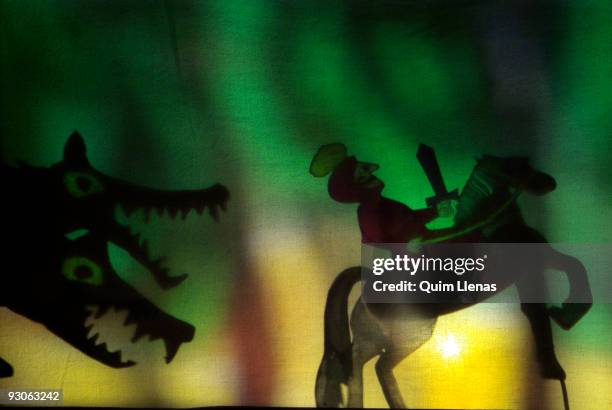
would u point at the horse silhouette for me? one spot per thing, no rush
(392, 331)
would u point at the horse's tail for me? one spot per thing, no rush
(336, 366)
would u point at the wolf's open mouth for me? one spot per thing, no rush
(114, 332)
(178, 202)
(79, 296)
(170, 211)
(135, 243)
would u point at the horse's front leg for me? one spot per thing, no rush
(384, 370)
(529, 286)
(6, 370)
(355, 382)
(362, 352)
(580, 298)
(408, 327)
(367, 343)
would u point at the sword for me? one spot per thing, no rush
(427, 158)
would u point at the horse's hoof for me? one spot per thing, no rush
(568, 315)
(550, 368)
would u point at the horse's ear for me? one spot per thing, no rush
(75, 151)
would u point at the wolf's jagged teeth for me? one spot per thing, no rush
(101, 311)
(172, 211)
(117, 355)
(118, 309)
(128, 209)
(171, 348)
(91, 309)
(126, 363)
(94, 339)
(199, 209)
(138, 333)
(214, 213)
(129, 319)
(160, 262)
(145, 246)
(91, 312)
(184, 212)
(89, 331)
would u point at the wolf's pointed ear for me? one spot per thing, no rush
(75, 151)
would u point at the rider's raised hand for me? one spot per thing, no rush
(445, 209)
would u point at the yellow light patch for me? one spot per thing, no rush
(449, 347)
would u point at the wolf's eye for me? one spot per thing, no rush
(81, 184)
(82, 269)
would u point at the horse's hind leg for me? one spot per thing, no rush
(367, 343)
(362, 352)
(400, 346)
(384, 370)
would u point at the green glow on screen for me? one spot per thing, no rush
(258, 88)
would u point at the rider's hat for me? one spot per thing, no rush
(327, 159)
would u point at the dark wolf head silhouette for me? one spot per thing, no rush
(58, 224)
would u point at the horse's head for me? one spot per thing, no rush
(517, 173)
(494, 181)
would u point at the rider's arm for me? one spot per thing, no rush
(425, 215)
(443, 235)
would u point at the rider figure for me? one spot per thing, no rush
(385, 221)
(381, 220)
